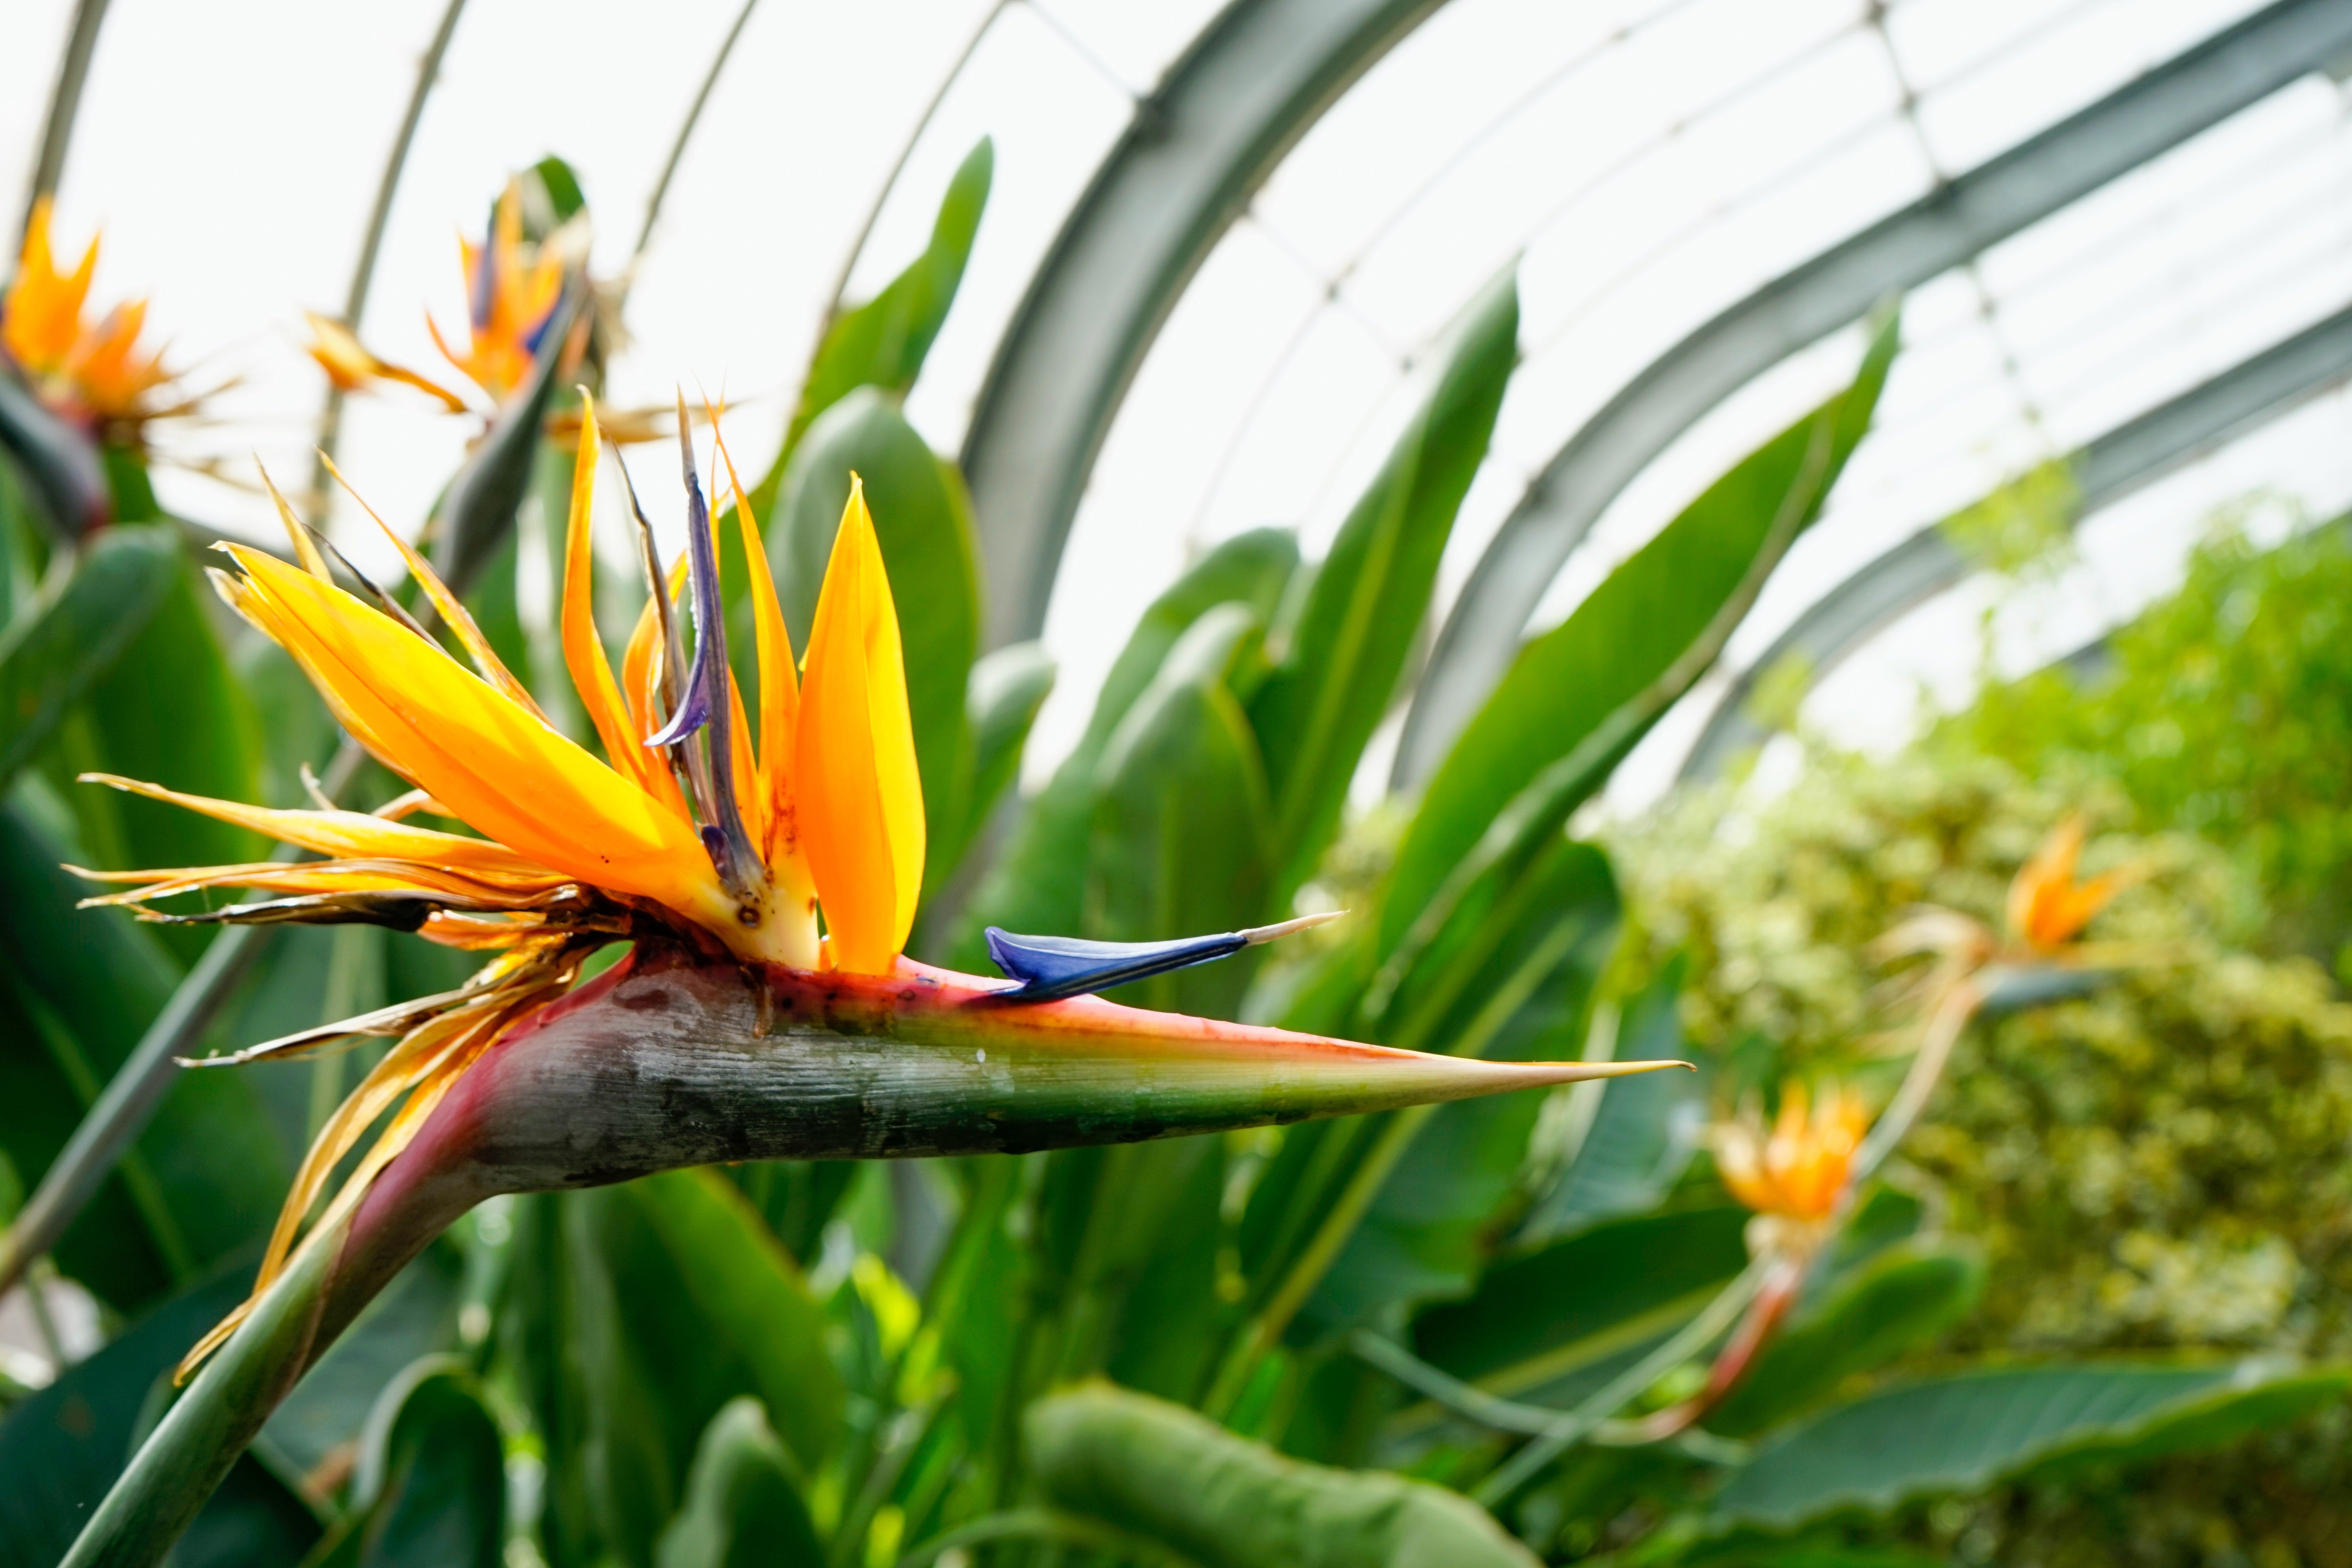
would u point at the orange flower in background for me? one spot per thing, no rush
(92, 372)
(512, 288)
(1796, 1169)
(2048, 906)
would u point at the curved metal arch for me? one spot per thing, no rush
(2109, 468)
(2196, 89)
(1221, 120)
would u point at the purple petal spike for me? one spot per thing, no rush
(732, 854)
(705, 700)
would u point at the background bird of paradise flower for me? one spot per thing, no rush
(854, 1362)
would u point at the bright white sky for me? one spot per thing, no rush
(1648, 161)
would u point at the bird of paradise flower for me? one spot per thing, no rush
(92, 372)
(513, 286)
(688, 840)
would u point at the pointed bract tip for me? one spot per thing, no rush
(1257, 935)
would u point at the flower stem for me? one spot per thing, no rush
(428, 71)
(1576, 1425)
(1953, 1010)
(64, 104)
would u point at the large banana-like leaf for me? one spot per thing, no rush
(1629, 1147)
(206, 1175)
(1963, 1433)
(1537, 1318)
(883, 343)
(1183, 830)
(1006, 689)
(1039, 882)
(1181, 842)
(923, 519)
(744, 1506)
(1902, 1297)
(72, 634)
(169, 710)
(1339, 671)
(1158, 1471)
(61, 1448)
(1626, 636)
(659, 1302)
(1431, 1228)
(431, 1486)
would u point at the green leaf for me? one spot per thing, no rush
(431, 1487)
(476, 515)
(1522, 995)
(1001, 702)
(414, 1319)
(1903, 1297)
(744, 1506)
(1039, 882)
(62, 1448)
(1643, 1132)
(1964, 1433)
(1160, 1471)
(73, 633)
(1180, 841)
(1615, 1285)
(882, 343)
(197, 1444)
(170, 711)
(495, 607)
(1624, 636)
(61, 468)
(923, 519)
(1370, 594)
(1129, 1235)
(748, 1296)
(979, 1301)
(633, 1315)
(208, 1174)
(1166, 1326)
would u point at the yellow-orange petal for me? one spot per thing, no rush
(352, 366)
(584, 650)
(277, 877)
(503, 771)
(454, 614)
(354, 835)
(42, 318)
(780, 697)
(858, 796)
(306, 549)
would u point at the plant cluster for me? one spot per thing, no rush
(2155, 1165)
(658, 1195)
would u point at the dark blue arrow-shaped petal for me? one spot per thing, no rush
(1052, 967)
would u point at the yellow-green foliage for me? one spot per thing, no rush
(2163, 1163)
(2228, 714)
(2155, 1165)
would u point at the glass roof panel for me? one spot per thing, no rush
(1649, 161)
(1665, 161)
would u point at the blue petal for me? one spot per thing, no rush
(1053, 968)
